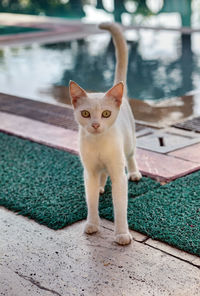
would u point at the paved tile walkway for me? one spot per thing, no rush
(36, 260)
(56, 29)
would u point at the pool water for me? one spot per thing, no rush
(7, 30)
(162, 64)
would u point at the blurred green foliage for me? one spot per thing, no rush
(75, 8)
(59, 8)
(67, 8)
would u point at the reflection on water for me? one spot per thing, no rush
(162, 65)
(167, 112)
(157, 114)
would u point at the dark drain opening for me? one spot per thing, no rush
(161, 141)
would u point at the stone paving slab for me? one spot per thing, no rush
(174, 252)
(137, 236)
(191, 153)
(11, 284)
(163, 167)
(68, 262)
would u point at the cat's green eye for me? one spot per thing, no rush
(85, 113)
(106, 113)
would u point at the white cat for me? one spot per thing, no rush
(107, 141)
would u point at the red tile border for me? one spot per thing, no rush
(163, 167)
(54, 31)
(40, 132)
(191, 153)
(50, 32)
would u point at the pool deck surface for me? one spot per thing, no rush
(55, 29)
(36, 260)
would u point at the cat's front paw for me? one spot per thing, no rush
(101, 190)
(123, 239)
(136, 176)
(90, 228)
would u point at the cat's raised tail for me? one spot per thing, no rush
(121, 51)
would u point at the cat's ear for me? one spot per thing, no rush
(116, 93)
(76, 93)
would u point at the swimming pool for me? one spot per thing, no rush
(162, 65)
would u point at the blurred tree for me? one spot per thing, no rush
(100, 4)
(142, 8)
(119, 8)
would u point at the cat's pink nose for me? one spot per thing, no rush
(95, 125)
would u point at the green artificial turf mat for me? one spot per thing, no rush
(46, 184)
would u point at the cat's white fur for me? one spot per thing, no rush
(107, 145)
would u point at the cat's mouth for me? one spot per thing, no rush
(95, 131)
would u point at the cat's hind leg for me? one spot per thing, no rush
(133, 171)
(103, 179)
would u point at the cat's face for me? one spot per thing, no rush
(96, 112)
